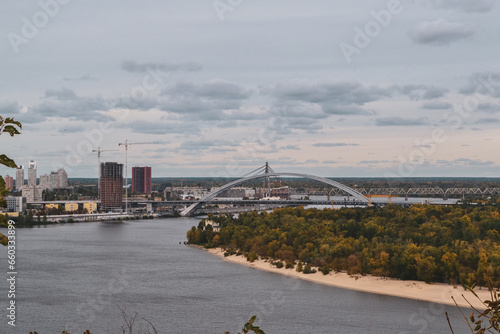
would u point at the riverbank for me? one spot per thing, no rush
(436, 293)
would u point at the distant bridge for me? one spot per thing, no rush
(193, 207)
(417, 191)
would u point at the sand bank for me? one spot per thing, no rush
(437, 292)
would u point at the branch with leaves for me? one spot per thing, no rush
(12, 127)
(481, 321)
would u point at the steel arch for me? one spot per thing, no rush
(213, 194)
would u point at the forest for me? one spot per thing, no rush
(457, 244)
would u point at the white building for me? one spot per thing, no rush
(32, 173)
(20, 178)
(32, 193)
(16, 204)
(54, 180)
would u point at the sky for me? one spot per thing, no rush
(333, 88)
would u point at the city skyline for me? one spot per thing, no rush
(385, 88)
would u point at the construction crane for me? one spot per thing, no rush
(127, 144)
(99, 167)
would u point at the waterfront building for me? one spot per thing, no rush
(32, 173)
(70, 207)
(141, 180)
(111, 186)
(90, 206)
(16, 204)
(32, 193)
(54, 180)
(52, 206)
(20, 178)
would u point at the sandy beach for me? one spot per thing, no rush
(437, 292)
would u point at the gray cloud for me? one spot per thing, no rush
(65, 103)
(215, 89)
(399, 121)
(487, 83)
(465, 162)
(135, 67)
(489, 108)
(439, 32)
(334, 144)
(85, 77)
(8, 109)
(467, 6)
(344, 93)
(420, 92)
(289, 147)
(437, 105)
(488, 120)
(160, 127)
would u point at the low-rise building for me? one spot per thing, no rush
(71, 207)
(16, 204)
(215, 226)
(52, 206)
(90, 206)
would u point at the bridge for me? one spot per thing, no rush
(266, 175)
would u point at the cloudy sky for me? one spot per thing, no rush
(328, 87)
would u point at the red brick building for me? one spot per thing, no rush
(111, 186)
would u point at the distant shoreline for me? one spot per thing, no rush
(436, 293)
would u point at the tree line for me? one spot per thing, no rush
(431, 243)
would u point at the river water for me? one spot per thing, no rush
(79, 276)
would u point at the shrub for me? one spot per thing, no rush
(277, 264)
(252, 256)
(309, 270)
(325, 270)
(289, 265)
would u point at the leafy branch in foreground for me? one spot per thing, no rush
(480, 322)
(12, 127)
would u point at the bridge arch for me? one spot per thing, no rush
(213, 194)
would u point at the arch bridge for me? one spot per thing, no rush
(208, 198)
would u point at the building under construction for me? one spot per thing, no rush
(111, 186)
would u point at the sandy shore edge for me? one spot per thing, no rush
(436, 293)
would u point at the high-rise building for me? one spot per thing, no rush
(54, 180)
(32, 193)
(141, 180)
(9, 182)
(20, 178)
(111, 186)
(32, 173)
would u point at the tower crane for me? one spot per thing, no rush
(99, 167)
(127, 144)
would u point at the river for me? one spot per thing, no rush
(78, 276)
